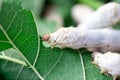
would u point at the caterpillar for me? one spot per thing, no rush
(104, 17)
(109, 63)
(95, 40)
(89, 34)
(94, 34)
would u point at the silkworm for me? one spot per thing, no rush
(109, 63)
(81, 13)
(93, 39)
(104, 17)
(100, 39)
(90, 35)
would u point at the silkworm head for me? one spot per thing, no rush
(96, 56)
(46, 37)
(63, 37)
(54, 38)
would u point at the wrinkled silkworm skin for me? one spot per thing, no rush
(65, 37)
(100, 39)
(105, 16)
(109, 63)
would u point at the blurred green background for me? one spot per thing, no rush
(53, 14)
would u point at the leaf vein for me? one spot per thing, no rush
(33, 68)
(83, 67)
(19, 72)
(54, 65)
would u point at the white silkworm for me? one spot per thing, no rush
(75, 38)
(90, 35)
(93, 39)
(109, 63)
(105, 16)
(100, 39)
(81, 13)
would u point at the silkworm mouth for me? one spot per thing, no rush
(46, 37)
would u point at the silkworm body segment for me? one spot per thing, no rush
(104, 17)
(109, 63)
(100, 39)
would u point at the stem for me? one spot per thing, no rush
(13, 60)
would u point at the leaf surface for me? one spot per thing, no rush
(20, 30)
(67, 64)
(57, 64)
(14, 71)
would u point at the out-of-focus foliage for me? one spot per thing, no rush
(0, 4)
(118, 1)
(36, 6)
(43, 24)
(92, 3)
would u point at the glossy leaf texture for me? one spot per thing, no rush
(18, 27)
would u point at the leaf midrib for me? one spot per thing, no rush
(33, 68)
